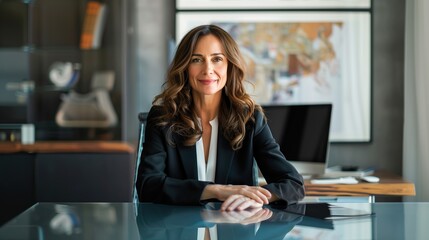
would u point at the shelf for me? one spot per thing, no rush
(23, 49)
(18, 1)
(43, 50)
(35, 34)
(52, 88)
(12, 105)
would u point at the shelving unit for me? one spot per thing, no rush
(39, 33)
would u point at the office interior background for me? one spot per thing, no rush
(139, 38)
(152, 21)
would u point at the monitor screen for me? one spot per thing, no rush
(302, 131)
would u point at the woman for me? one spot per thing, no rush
(204, 132)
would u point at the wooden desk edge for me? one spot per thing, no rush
(68, 147)
(362, 189)
(390, 185)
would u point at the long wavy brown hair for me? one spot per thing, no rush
(236, 108)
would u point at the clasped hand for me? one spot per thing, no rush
(238, 197)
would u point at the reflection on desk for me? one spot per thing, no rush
(180, 222)
(154, 221)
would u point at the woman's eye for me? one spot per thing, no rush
(217, 59)
(195, 60)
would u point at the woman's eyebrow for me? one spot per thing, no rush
(201, 55)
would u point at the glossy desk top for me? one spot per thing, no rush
(153, 221)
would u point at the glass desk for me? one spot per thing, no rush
(155, 221)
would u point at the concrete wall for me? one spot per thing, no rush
(385, 149)
(152, 24)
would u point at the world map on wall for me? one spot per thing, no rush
(290, 62)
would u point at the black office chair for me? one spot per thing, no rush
(142, 124)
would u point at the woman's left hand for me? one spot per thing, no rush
(239, 202)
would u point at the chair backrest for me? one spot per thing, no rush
(142, 124)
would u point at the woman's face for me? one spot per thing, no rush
(208, 67)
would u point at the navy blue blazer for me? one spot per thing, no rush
(168, 174)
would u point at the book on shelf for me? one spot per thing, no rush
(93, 25)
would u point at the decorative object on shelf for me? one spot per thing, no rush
(22, 90)
(24, 133)
(93, 25)
(93, 109)
(64, 74)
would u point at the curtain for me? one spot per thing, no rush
(416, 102)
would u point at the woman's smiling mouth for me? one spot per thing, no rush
(207, 81)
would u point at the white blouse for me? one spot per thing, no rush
(206, 172)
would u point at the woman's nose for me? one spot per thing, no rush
(208, 67)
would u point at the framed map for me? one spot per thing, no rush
(301, 58)
(272, 4)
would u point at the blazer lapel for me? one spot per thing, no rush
(225, 156)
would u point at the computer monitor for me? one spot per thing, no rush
(302, 131)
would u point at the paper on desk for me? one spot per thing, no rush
(342, 180)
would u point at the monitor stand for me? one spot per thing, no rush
(309, 169)
(346, 171)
